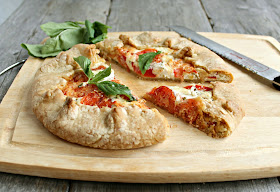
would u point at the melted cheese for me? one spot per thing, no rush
(183, 94)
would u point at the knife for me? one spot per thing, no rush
(250, 64)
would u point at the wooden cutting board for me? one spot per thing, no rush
(188, 155)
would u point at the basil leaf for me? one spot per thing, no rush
(101, 75)
(145, 60)
(35, 51)
(100, 28)
(65, 35)
(99, 38)
(53, 29)
(96, 32)
(84, 62)
(112, 88)
(90, 31)
(64, 41)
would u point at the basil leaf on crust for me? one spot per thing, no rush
(112, 88)
(101, 75)
(145, 61)
(84, 62)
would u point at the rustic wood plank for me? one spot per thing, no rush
(260, 185)
(28, 22)
(149, 15)
(244, 16)
(19, 183)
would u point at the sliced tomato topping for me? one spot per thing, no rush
(122, 58)
(179, 72)
(148, 73)
(199, 87)
(96, 98)
(158, 58)
(164, 97)
(99, 67)
(146, 51)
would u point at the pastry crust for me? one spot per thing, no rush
(218, 116)
(124, 127)
(207, 63)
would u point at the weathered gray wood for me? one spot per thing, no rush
(260, 17)
(260, 185)
(19, 183)
(7, 8)
(149, 15)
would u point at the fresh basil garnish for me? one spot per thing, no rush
(101, 75)
(65, 35)
(112, 88)
(84, 62)
(108, 87)
(145, 60)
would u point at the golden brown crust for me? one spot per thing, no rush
(107, 128)
(207, 63)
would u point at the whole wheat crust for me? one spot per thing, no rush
(106, 128)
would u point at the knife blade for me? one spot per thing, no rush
(246, 62)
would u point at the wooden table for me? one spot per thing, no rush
(240, 16)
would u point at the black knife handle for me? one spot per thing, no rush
(277, 79)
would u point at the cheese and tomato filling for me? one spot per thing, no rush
(89, 94)
(183, 102)
(164, 65)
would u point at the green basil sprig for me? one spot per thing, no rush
(112, 88)
(84, 63)
(53, 29)
(145, 60)
(65, 35)
(108, 87)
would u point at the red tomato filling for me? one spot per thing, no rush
(122, 60)
(121, 57)
(199, 87)
(179, 72)
(90, 95)
(165, 98)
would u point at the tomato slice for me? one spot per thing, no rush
(99, 67)
(121, 57)
(164, 97)
(179, 72)
(96, 98)
(148, 73)
(146, 51)
(199, 87)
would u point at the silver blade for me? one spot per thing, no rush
(250, 64)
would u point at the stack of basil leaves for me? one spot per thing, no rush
(65, 35)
